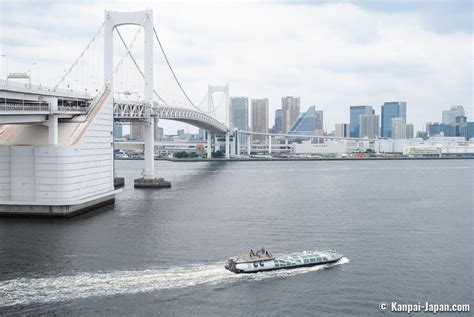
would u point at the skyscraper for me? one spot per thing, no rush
(137, 131)
(290, 107)
(369, 126)
(410, 131)
(307, 123)
(398, 128)
(277, 125)
(342, 130)
(159, 133)
(455, 111)
(319, 120)
(260, 118)
(118, 132)
(239, 113)
(470, 130)
(355, 112)
(395, 109)
(446, 117)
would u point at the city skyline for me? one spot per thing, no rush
(398, 53)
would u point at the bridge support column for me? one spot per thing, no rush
(149, 172)
(237, 140)
(233, 143)
(249, 144)
(227, 154)
(269, 144)
(53, 132)
(209, 144)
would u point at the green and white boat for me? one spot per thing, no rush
(262, 260)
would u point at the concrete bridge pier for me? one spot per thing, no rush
(269, 144)
(227, 141)
(249, 144)
(209, 144)
(237, 141)
(53, 130)
(149, 180)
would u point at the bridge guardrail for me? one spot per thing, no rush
(40, 88)
(29, 107)
(22, 107)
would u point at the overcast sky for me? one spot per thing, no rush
(332, 54)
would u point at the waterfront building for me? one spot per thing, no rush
(470, 130)
(436, 146)
(290, 107)
(369, 126)
(410, 131)
(259, 118)
(239, 113)
(433, 129)
(355, 112)
(342, 130)
(389, 146)
(399, 129)
(181, 134)
(277, 125)
(308, 122)
(330, 147)
(137, 132)
(422, 135)
(395, 109)
(118, 131)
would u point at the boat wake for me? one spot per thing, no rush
(24, 291)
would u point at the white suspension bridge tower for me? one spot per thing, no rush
(56, 143)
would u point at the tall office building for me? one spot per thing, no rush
(342, 130)
(454, 112)
(355, 112)
(277, 125)
(398, 128)
(410, 131)
(319, 120)
(307, 123)
(290, 107)
(433, 129)
(395, 109)
(137, 131)
(118, 131)
(259, 118)
(446, 117)
(460, 126)
(369, 126)
(159, 133)
(239, 113)
(470, 130)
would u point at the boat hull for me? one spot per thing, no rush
(274, 268)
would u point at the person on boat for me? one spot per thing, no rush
(252, 253)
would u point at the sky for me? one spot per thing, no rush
(333, 54)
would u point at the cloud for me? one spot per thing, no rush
(331, 53)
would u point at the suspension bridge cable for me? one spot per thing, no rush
(172, 71)
(80, 56)
(136, 64)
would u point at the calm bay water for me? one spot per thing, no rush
(405, 228)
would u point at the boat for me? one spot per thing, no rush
(262, 260)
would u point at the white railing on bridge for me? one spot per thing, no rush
(23, 107)
(41, 108)
(5, 84)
